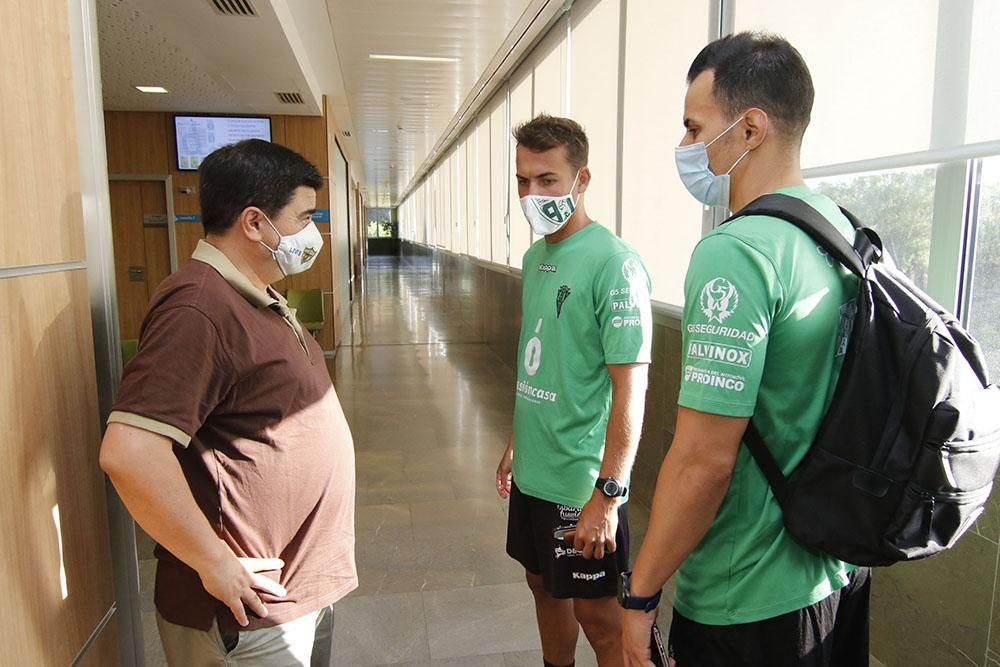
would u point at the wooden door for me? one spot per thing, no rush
(142, 250)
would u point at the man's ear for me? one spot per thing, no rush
(756, 126)
(251, 222)
(584, 181)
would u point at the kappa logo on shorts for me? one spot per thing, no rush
(590, 576)
(567, 513)
(719, 299)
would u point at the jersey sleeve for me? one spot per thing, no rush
(623, 309)
(731, 295)
(178, 377)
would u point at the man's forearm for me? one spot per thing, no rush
(149, 479)
(628, 403)
(687, 498)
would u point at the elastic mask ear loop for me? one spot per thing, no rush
(723, 133)
(274, 251)
(738, 161)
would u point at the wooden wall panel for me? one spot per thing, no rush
(186, 203)
(41, 220)
(55, 521)
(327, 335)
(137, 143)
(306, 135)
(278, 129)
(188, 235)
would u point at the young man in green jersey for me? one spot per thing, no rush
(766, 319)
(581, 385)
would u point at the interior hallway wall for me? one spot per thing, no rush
(54, 533)
(143, 144)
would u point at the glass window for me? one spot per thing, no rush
(594, 98)
(380, 224)
(984, 308)
(899, 205)
(499, 141)
(483, 214)
(550, 71)
(520, 112)
(851, 59)
(659, 218)
(984, 84)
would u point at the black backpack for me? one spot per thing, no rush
(904, 460)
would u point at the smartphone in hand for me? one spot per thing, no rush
(657, 650)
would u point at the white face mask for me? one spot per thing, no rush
(546, 214)
(699, 179)
(297, 252)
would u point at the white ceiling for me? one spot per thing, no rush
(207, 62)
(395, 111)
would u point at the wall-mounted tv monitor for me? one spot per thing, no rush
(197, 136)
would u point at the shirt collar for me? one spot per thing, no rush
(209, 254)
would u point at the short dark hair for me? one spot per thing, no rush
(757, 69)
(250, 173)
(544, 132)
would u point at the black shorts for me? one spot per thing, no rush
(831, 633)
(565, 572)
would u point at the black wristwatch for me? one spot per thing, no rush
(610, 487)
(629, 601)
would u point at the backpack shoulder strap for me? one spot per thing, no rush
(791, 209)
(765, 460)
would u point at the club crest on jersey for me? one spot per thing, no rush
(564, 292)
(719, 299)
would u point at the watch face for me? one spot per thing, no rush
(611, 488)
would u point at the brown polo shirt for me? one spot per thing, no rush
(225, 371)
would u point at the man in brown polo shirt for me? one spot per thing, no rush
(228, 443)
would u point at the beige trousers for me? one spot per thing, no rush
(305, 641)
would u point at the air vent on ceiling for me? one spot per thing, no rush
(233, 7)
(290, 98)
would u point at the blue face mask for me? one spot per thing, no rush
(699, 179)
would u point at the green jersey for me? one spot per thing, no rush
(767, 317)
(585, 304)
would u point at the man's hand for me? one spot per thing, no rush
(597, 526)
(637, 628)
(504, 469)
(232, 580)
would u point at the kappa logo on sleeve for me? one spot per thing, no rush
(719, 299)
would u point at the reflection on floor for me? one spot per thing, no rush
(430, 407)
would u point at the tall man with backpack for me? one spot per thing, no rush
(767, 318)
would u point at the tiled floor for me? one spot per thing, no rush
(430, 408)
